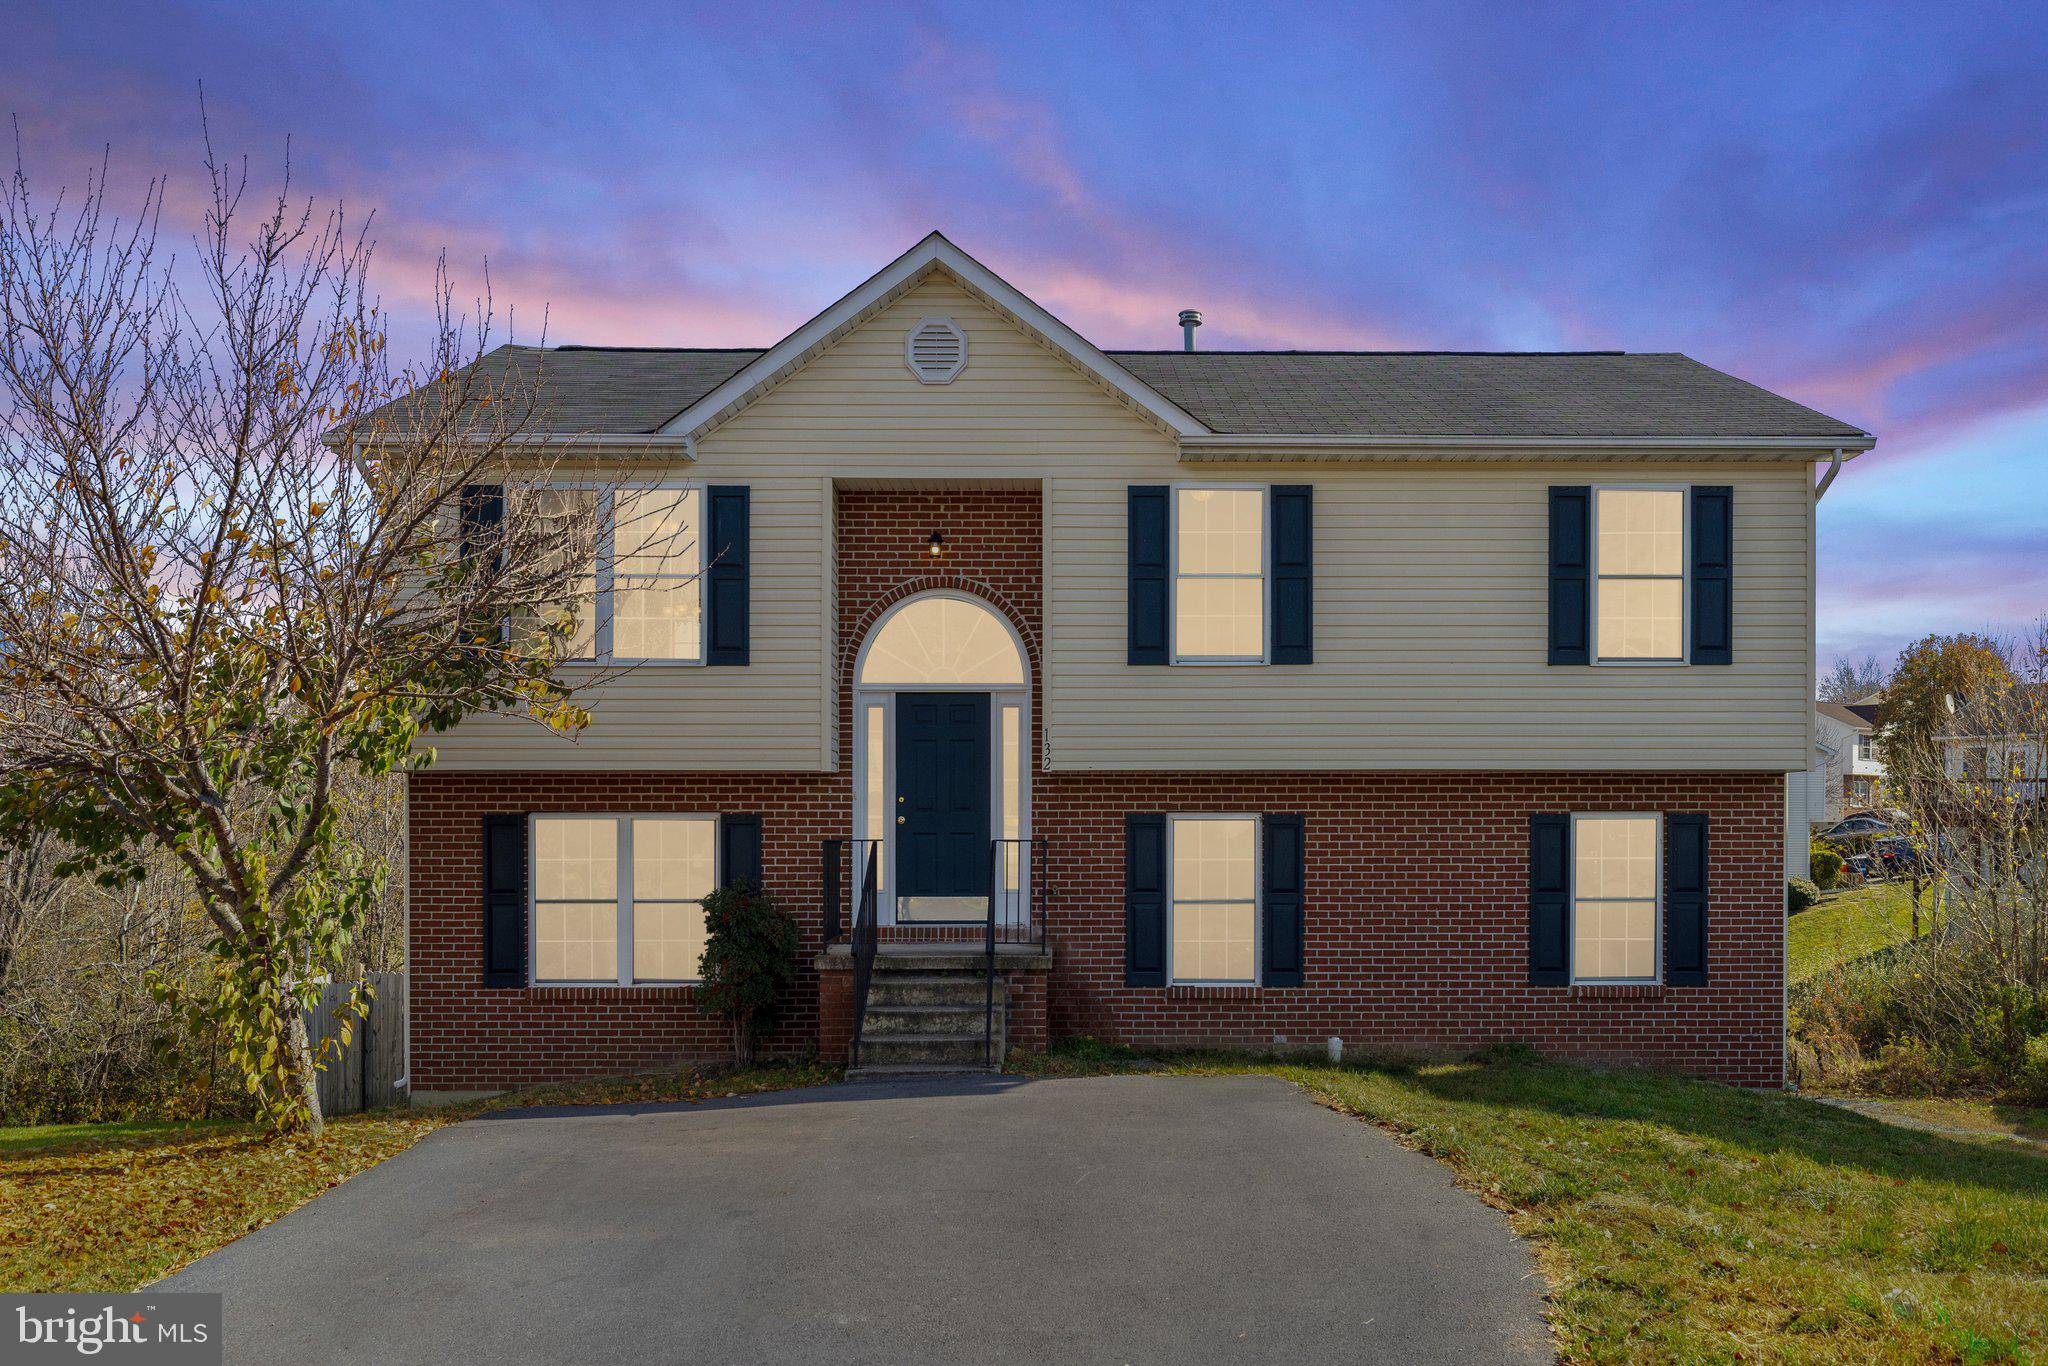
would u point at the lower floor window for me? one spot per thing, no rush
(1213, 891)
(1615, 862)
(620, 899)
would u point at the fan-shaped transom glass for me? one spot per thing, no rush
(942, 641)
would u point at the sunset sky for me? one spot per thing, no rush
(1847, 204)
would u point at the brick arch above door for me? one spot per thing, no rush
(856, 636)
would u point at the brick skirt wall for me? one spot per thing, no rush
(1416, 923)
(1417, 919)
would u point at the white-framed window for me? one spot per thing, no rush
(1220, 564)
(642, 601)
(1863, 749)
(1639, 574)
(618, 900)
(1617, 863)
(1212, 900)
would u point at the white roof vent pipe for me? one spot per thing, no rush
(1190, 319)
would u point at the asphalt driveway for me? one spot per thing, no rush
(1114, 1219)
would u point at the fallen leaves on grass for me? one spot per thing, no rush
(109, 1209)
(112, 1215)
(665, 1087)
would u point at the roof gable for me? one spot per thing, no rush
(934, 253)
(1853, 715)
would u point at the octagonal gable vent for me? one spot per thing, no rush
(935, 350)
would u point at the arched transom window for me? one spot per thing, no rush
(942, 640)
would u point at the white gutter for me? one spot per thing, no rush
(1327, 441)
(1834, 468)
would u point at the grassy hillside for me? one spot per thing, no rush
(1848, 925)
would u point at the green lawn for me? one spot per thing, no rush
(1848, 925)
(1976, 1116)
(1683, 1221)
(110, 1207)
(26, 1137)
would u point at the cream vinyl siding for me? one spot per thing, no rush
(766, 716)
(1430, 593)
(1431, 620)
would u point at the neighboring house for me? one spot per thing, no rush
(1842, 776)
(1249, 699)
(2003, 743)
(1849, 729)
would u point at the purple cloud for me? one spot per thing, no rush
(1845, 206)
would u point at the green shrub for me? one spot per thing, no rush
(1825, 864)
(1917, 1019)
(1799, 894)
(2032, 1086)
(749, 962)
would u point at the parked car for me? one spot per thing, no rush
(1887, 859)
(1859, 823)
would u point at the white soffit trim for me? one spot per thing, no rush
(884, 285)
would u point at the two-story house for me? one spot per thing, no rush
(1423, 700)
(1854, 772)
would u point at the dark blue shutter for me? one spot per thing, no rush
(1713, 570)
(728, 595)
(1550, 899)
(1283, 876)
(1571, 567)
(1292, 513)
(1145, 901)
(504, 901)
(1685, 900)
(739, 850)
(1145, 563)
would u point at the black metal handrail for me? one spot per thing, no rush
(1017, 899)
(866, 939)
(833, 911)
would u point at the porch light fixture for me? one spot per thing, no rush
(936, 546)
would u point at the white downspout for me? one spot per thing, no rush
(1834, 468)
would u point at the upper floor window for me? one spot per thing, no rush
(643, 597)
(1863, 749)
(1219, 575)
(1639, 563)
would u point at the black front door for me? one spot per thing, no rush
(942, 802)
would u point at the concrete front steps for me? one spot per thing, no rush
(926, 1015)
(925, 1005)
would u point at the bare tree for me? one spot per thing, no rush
(1973, 779)
(1850, 680)
(242, 556)
(29, 894)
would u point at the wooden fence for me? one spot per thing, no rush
(366, 1074)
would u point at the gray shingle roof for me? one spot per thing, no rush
(1376, 393)
(1584, 394)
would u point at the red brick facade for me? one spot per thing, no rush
(466, 1037)
(1417, 883)
(1417, 919)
